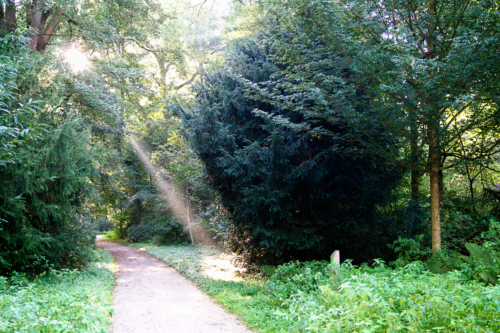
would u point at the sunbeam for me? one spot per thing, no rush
(173, 200)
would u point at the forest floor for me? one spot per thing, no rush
(152, 297)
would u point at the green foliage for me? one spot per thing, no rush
(40, 197)
(16, 126)
(141, 233)
(113, 235)
(294, 276)
(461, 225)
(493, 195)
(289, 194)
(372, 65)
(121, 221)
(303, 297)
(410, 250)
(159, 232)
(103, 224)
(268, 270)
(483, 264)
(60, 301)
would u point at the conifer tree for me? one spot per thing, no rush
(291, 195)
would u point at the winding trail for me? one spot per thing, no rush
(152, 297)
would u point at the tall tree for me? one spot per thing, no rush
(290, 195)
(429, 70)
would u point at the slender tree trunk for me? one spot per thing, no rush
(434, 164)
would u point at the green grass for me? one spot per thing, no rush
(62, 301)
(306, 297)
(112, 235)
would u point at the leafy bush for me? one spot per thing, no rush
(293, 276)
(168, 231)
(268, 270)
(303, 297)
(61, 301)
(406, 299)
(461, 225)
(483, 264)
(78, 241)
(104, 224)
(141, 232)
(113, 235)
(409, 250)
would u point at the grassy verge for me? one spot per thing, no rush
(306, 297)
(62, 301)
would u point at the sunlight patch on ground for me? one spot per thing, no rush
(219, 267)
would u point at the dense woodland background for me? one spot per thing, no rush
(278, 130)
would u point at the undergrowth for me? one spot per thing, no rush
(60, 301)
(307, 297)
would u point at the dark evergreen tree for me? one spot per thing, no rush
(291, 194)
(39, 201)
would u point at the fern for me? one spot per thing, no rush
(477, 253)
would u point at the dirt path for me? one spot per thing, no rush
(152, 297)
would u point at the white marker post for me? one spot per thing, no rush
(335, 258)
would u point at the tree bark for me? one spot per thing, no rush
(10, 17)
(434, 166)
(49, 29)
(441, 185)
(35, 23)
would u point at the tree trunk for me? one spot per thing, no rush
(10, 17)
(434, 166)
(441, 186)
(47, 30)
(35, 23)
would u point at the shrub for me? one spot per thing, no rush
(104, 224)
(410, 249)
(143, 232)
(168, 231)
(113, 235)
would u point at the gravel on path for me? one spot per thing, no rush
(152, 297)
